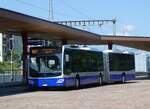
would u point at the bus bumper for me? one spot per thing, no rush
(49, 82)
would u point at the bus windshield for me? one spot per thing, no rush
(45, 65)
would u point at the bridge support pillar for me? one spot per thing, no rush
(110, 45)
(25, 56)
(64, 41)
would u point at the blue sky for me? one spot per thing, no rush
(132, 15)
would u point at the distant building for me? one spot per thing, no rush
(17, 43)
(1, 48)
(4, 49)
(8, 42)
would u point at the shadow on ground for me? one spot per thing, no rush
(21, 89)
(83, 87)
(14, 90)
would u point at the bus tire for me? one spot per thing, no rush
(77, 83)
(100, 82)
(123, 78)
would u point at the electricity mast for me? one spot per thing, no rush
(50, 9)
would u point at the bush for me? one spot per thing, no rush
(5, 66)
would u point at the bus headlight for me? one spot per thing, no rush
(60, 81)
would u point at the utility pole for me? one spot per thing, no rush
(50, 6)
(114, 26)
(114, 34)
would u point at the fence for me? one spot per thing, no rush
(8, 76)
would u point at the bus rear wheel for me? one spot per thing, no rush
(77, 83)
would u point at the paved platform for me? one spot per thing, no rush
(131, 95)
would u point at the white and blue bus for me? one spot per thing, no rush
(69, 66)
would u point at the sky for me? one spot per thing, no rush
(132, 15)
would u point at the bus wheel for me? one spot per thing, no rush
(123, 78)
(100, 80)
(77, 83)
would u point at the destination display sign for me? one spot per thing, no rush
(41, 51)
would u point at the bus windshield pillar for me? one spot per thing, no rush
(24, 56)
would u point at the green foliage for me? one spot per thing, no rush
(16, 56)
(5, 66)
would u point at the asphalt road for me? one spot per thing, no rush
(132, 95)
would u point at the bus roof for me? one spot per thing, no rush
(88, 48)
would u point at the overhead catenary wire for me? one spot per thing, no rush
(74, 9)
(43, 9)
(32, 5)
(82, 23)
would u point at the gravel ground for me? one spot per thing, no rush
(132, 95)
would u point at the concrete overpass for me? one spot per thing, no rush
(20, 24)
(24, 25)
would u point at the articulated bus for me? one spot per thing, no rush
(74, 66)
